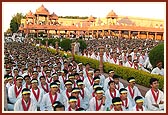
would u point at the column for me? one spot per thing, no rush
(92, 32)
(102, 33)
(109, 32)
(37, 19)
(48, 33)
(147, 35)
(101, 48)
(155, 35)
(119, 34)
(129, 34)
(46, 43)
(138, 34)
(56, 47)
(97, 33)
(72, 51)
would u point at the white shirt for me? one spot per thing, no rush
(92, 105)
(46, 103)
(12, 95)
(40, 96)
(136, 93)
(18, 105)
(109, 98)
(134, 108)
(150, 100)
(128, 64)
(158, 71)
(106, 81)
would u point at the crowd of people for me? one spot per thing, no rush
(131, 53)
(37, 80)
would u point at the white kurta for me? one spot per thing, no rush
(128, 64)
(119, 86)
(158, 71)
(45, 86)
(150, 100)
(129, 105)
(46, 103)
(92, 105)
(18, 105)
(134, 108)
(108, 101)
(87, 82)
(65, 98)
(136, 93)
(40, 96)
(106, 81)
(12, 95)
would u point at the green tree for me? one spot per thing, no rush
(16, 21)
(157, 54)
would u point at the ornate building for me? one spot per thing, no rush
(43, 22)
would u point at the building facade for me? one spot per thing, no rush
(112, 25)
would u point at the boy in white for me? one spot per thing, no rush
(110, 78)
(25, 103)
(97, 103)
(72, 104)
(126, 103)
(154, 97)
(111, 93)
(158, 70)
(133, 90)
(14, 92)
(139, 104)
(118, 84)
(116, 105)
(50, 98)
(36, 93)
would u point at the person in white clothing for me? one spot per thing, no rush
(154, 97)
(158, 70)
(97, 103)
(36, 93)
(66, 93)
(44, 85)
(133, 90)
(25, 103)
(88, 81)
(27, 80)
(102, 77)
(84, 93)
(111, 93)
(126, 102)
(116, 105)
(139, 104)
(72, 104)
(129, 62)
(15, 92)
(109, 78)
(58, 106)
(118, 84)
(10, 81)
(50, 97)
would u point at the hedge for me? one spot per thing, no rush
(142, 77)
(65, 44)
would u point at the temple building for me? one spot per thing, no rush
(42, 21)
